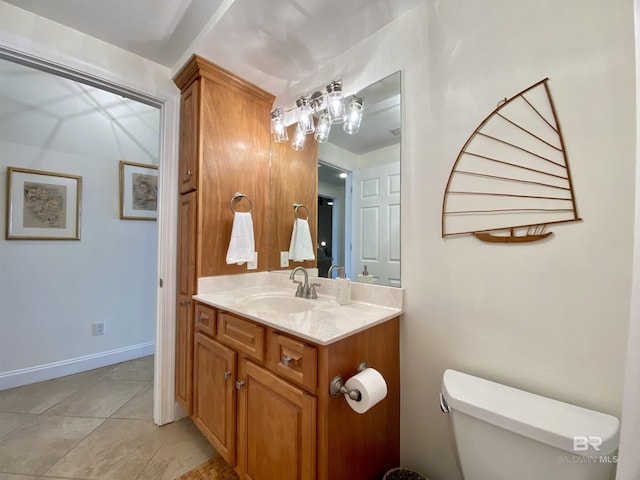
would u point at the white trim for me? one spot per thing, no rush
(25, 376)
(164, 386)
(629, 462)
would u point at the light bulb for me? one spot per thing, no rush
(298, 139)
(335, 106)
(305, 115)
(354, 116)
(278, 127)
(323, 128)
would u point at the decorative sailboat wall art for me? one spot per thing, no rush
(511, 179)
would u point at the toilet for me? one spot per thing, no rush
(503, 433)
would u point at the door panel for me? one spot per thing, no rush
(376, 223)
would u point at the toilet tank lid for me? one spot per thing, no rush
(571, 428)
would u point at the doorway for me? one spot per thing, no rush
(96, 260)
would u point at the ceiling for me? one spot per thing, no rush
(272, 43)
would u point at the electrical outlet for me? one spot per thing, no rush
(284, 259)
(98, 328)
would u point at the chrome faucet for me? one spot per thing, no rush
(304, 290)
(332, 267)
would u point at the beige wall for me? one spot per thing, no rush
(551, 317)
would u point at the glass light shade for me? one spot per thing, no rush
(335, 105)
(278, 127)
(354, 116)
(298, 139)
(323, 128)
(305, 115)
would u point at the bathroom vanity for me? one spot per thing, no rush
(263, 365)
(254, 363)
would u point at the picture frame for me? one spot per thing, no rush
(138, 191)
(42, 205)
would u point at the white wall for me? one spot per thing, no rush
(52, 291)
(552, 317)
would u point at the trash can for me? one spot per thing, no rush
(402, 474)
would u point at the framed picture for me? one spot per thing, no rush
(42, 205)
(138, 191)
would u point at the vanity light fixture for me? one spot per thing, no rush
(330, 106)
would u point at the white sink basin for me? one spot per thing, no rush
(281, 303)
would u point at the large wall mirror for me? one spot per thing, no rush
(359, 191)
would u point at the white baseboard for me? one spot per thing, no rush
(38, 373)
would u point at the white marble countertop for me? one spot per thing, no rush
(324, 323)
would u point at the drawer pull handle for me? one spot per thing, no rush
(286, 360)
(239, 384)
(202, 319)
(227, 374)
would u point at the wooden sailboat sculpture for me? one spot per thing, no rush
(512, 174)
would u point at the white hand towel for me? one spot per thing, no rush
(301, 248)
(241, 246)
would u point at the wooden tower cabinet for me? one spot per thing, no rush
(224, 149)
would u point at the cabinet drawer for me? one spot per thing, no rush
(294, 360)
(242, 335)
(205, 319)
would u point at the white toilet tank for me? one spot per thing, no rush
(502, 433)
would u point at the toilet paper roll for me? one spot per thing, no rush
(371, 385)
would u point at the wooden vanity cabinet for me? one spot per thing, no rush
(224, 149)
(214, 399)
(269, 391)
(276, 427)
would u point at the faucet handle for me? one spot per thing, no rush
(312, 290)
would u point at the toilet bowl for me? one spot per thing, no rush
(503, 433)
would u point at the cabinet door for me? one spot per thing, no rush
(276, 427)
(184, 352)
(186, 289)
(214, 395)
(189, 137)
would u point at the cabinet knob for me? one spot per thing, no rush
(227, 374)
(239, 384)
(189, 173)
(186, 302)
(286, 360)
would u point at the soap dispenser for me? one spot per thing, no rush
(364, 277)
(343, 297)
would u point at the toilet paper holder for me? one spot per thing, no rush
(336, 387)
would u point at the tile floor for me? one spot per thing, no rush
(94, 425)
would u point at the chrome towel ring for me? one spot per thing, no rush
(237, 197)
(297, 206)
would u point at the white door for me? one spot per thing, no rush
(376, 223)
